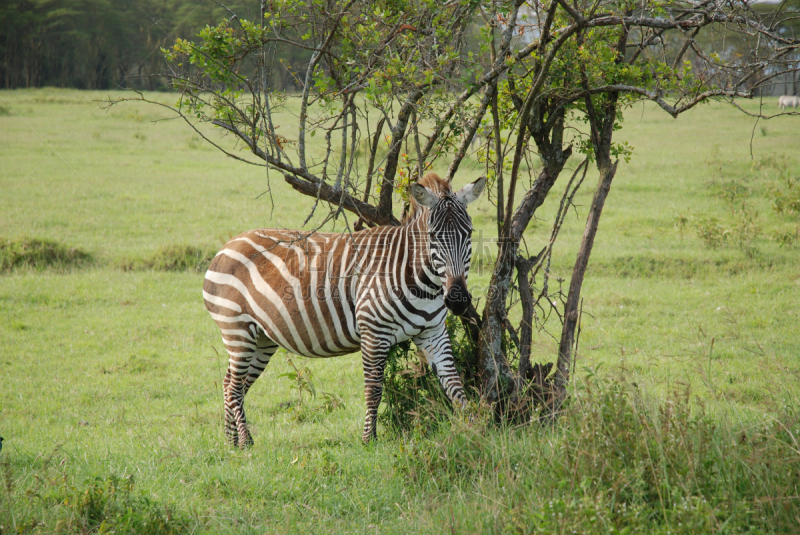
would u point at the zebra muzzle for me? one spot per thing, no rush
(457, 298)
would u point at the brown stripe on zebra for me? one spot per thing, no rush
(327, 294)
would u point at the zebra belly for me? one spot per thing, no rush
(317, 350)
(312, 318)
(307, 327)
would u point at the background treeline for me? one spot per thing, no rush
(104, 44)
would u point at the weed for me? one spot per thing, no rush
(99, 505)
(301, 377)
(788, 237)
(302, 381)
(4, 110)
(746, 230)
(732, 191)
(785, 200)
(680, 223)
(741, 233)
(772, 164)
(712, 232)
(331, 402)
(40, 254)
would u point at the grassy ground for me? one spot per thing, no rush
(112, 368)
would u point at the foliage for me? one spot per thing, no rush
(301, 377)
(742, 232)
(101, 44)
(785, 195)
(788, 237)
(413, 400)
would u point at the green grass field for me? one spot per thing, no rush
(685, 418)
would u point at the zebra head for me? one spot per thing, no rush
(449, 234)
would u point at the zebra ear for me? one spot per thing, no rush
(472, 191)
(424, 196)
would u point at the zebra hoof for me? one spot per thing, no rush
(246, 442)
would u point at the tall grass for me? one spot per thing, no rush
(619, 461)
(53, 503)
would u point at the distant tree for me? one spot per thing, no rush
(426, 76)
(100, 44)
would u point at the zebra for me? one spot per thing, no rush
(329, 294)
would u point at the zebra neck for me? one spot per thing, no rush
(419, 242)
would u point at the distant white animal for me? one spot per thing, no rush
(787, 100)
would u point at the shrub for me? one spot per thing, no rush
(788, 237)
(413, 399)
(40, 254)
(712, 232)
(172, 258)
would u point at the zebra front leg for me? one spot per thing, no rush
(373, 355)
(439, 353)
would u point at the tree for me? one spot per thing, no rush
(430, 75)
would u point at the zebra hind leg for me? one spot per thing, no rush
(265, 348)
(247, 359)
(231, 436)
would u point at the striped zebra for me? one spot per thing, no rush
(323, 295)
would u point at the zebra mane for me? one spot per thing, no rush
(433, 182)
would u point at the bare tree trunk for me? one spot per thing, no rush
(526, 328)
(398, 135)
(565, 348)
(498, 380)
(601, 133)
(498, 156)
